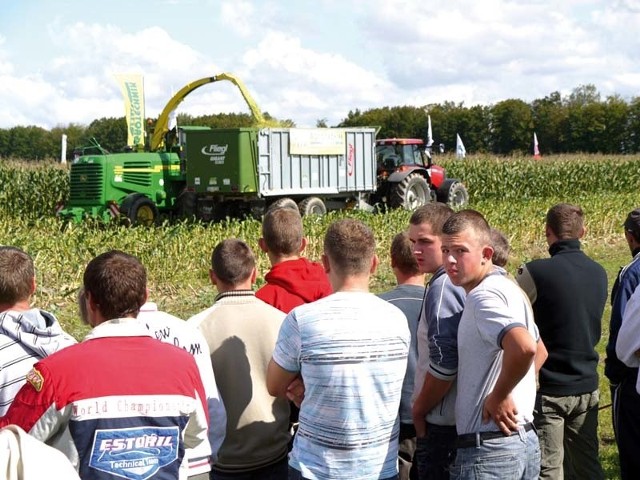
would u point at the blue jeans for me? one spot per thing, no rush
(275, 471)
(435, 452)
(514, 457)
(297, 475)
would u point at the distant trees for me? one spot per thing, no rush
(579, 122)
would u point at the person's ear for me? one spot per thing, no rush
(487, 253)
(303, 244)
(263, 245)
(583, 232)
(254, 275)
(213, 277)
(326, 264)
(375, 261)
(34, 285)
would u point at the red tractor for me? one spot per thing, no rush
(407, 177)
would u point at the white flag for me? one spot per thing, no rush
(461, 152)
(536, 150)
(173, 120)
(429, 132)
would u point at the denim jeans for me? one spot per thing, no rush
(297, 475)
(275, 471)
(514, 457)
(435, 452)
(568, 434)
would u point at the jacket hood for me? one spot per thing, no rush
(35, 329)
(300, 277)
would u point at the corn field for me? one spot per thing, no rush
(514, 195)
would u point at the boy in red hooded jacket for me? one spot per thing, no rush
(293, 280)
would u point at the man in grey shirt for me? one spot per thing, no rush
(407, 296)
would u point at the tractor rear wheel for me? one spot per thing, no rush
(312, 206)
(412, 192)
(453, 193)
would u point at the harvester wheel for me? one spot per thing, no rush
(143, 212)
(412, 192)
(453, 193)
(312, 206)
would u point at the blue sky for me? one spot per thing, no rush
(307, 60)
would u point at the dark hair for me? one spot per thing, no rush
(468, 219)
(501, 248)
(565, 221)
(16, 275)
(350, 245)
(232, 261)
(402, 255)
(282, 231)
(632, 224)
(117, 283)
(434, 213)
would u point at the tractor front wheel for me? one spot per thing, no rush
(453, 193)
(143, 212)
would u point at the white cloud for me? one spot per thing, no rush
(302, 80)
(239, 16)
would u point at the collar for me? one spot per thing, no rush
(235, 293)
(564, 246)
(120, 327)
(438, 273)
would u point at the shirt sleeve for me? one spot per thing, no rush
(628, 342)
(288, 346)
(34, 409)
(215, 406)
(196, 431)
(494, 317)
(527, 284)
(443, 308)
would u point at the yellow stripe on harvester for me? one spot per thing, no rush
(118, 169)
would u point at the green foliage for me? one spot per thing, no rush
(511, 127)
(578, 122)
(524, 178)
(111, 134)
(31, 190)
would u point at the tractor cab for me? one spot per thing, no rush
(401, 154)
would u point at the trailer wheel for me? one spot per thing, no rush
(453, 193)
(312, 206)
(412, 192)
(143, 212)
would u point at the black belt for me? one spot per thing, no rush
(474, 439)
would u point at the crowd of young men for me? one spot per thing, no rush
(478, 375)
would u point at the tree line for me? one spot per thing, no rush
(580, 122)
